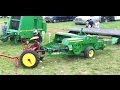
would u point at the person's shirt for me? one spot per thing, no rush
(4, 27)
(91, 22)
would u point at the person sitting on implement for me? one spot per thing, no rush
(4, 28)
(36, 45)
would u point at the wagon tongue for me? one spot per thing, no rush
(56, 48)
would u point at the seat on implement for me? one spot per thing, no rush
(36, 45)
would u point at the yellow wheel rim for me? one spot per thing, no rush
(29, 60)
(91, 53)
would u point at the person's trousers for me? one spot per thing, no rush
(4, 32)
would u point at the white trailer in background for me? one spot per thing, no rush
(116, 17)
(109, 18)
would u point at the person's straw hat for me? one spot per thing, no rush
(34, 38)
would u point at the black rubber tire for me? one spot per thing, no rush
(40, 39)
(87, 50)
(36, 56)
(76, 24)
(11, 38)
(43, 52)
(54, 21)
(3, 39)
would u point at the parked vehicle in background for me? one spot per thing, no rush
(82, 19)
(54, 19)
(8, 16)
(109, 18)
(4, 16)
(44, 17)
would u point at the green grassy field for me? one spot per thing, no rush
(105, 62)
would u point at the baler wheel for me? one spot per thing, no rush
(89, 52)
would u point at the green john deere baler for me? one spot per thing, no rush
(73, 44)
(23, 27)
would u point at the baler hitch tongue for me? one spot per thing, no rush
(52, 50)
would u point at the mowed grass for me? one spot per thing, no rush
(112, 25)
(106, 61)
